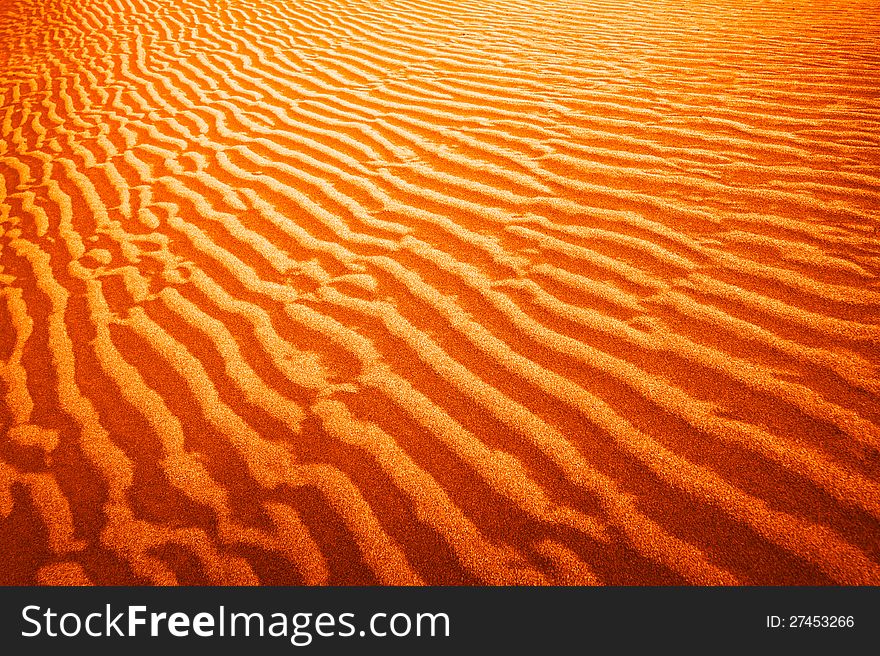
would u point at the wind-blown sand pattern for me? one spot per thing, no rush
(408, 292)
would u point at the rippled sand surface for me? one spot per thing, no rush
(405, 292)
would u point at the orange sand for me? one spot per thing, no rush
(406, 291)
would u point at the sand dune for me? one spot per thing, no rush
(406, 292)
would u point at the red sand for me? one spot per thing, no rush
(409, 292)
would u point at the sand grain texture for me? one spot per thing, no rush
(405, 292)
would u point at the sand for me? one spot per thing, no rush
(414, 292)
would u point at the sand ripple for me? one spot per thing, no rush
(408, 292)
